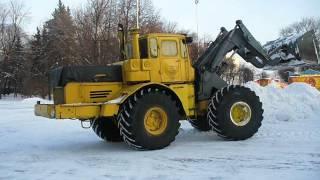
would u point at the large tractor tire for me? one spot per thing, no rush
(201, 123)
(149, 119)
(106, 129)
(235, 113)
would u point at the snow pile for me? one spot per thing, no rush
(11, 97)
(21, 99)
(297, 102)
(286, 146)
(34, 100)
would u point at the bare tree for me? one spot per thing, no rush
(96, 31)
(245, 74)
(168, 27)
(87, 36)
(304, 25)
(11, 19)
(97, 24)
(150, 19)
(229, 70)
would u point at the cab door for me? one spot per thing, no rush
(170, 60)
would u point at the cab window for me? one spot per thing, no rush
(169, 48)
(184, 51)
(143, 46)
(128, 50)
(153, 47)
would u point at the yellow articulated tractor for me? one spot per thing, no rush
(142, 99)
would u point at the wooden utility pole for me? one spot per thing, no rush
(138, 13)
(197, 22)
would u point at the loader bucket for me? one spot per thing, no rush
(308, 46)
(294, 50)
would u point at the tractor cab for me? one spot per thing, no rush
(157, 57)
(142, 99)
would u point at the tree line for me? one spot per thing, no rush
(83, 36)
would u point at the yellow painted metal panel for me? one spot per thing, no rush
(68, 111)
(44, 110)
(165, 69)
(109, 110)
(135, 43)
(191, 72)
(185, 92)
(99, 92)
(83, 111)
(313, 80)
(202, 107)
(137, 76)
(72, 93)
(134, 65)
(155, 73)
(91, 92)
(133, 71)
(147, 64)
(170, 65)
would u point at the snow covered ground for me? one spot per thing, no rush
(286, 147)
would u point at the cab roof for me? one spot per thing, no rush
(163, 35)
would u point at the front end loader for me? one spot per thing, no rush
(142, 99)
(294, 50)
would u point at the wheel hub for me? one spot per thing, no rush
(240, 113)
(155, 121)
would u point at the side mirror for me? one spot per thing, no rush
(122, 40)
(188, 40)
(120, 27)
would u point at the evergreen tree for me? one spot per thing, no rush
(13, 66)
(18, 59)
(37, 62)
(60, 43)
(36, 79)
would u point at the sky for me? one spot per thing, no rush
(264, 18)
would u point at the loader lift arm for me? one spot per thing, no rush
(239, 40)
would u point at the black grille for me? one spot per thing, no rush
(99, 94)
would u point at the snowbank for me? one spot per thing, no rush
(34, 100)
(286, 146)
(297, 102)
(21, 99)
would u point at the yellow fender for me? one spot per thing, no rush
(128, 91)
(181, 92)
